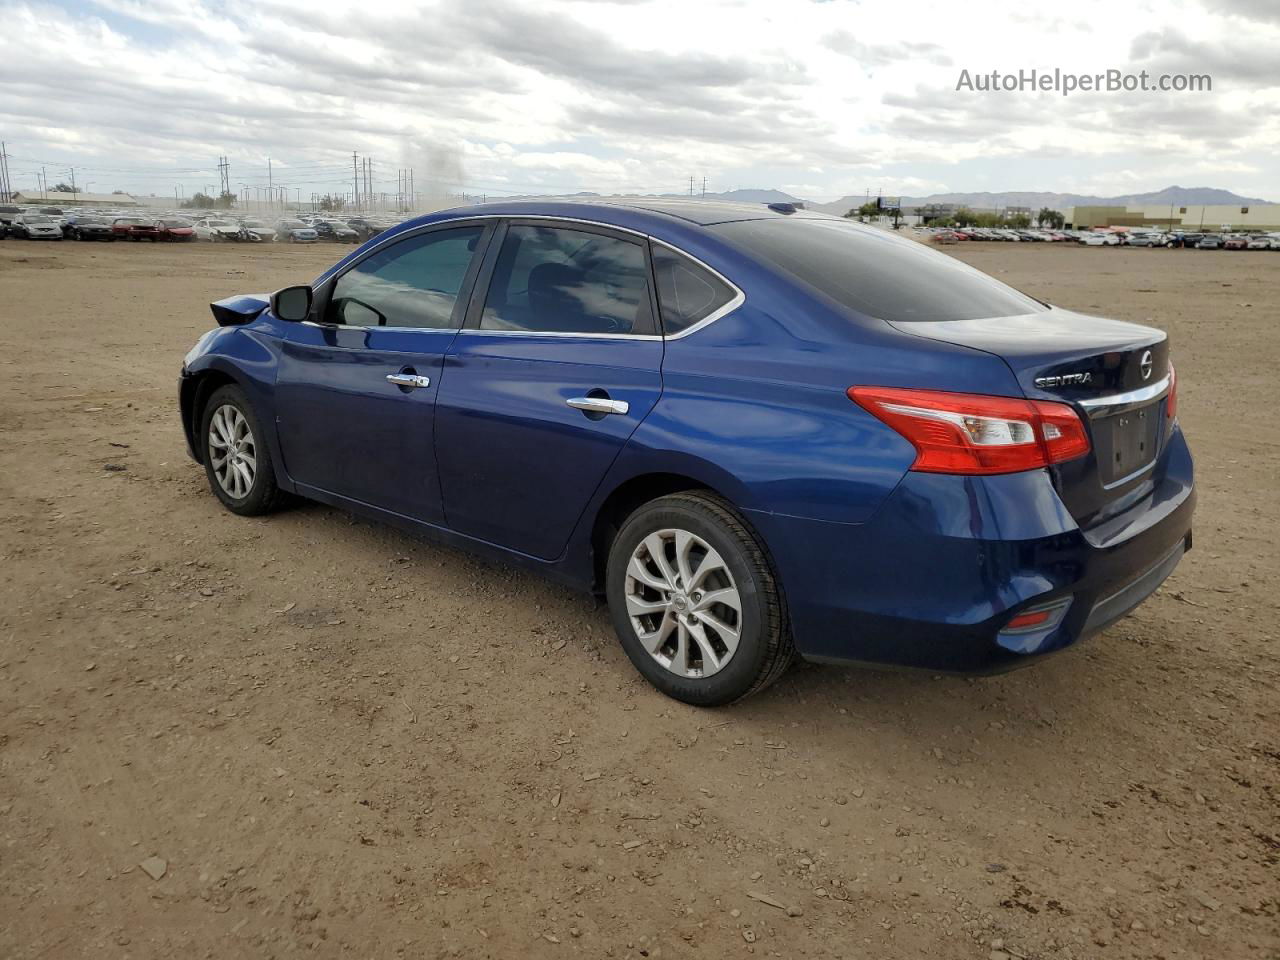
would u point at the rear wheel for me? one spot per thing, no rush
(695, 603)
(236, 459)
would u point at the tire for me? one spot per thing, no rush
(764, 648)
(259, 494)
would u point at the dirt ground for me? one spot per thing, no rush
(345, 741)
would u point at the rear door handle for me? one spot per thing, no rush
(599, 405)
(410, 380)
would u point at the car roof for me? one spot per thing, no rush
(635, 211)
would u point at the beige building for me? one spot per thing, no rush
(51, 198)
(1261, 218)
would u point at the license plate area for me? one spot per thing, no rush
(1126, 443)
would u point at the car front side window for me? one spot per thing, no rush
(414, 282)
(562, 280)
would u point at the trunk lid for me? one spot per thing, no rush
(1116, 376)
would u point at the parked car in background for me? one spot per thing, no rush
(335, 231)
(134, 228)
(1100, 240)
(258, 229)
(7, 213)
(295, 231)
(217, 230)
(89, 227)
(912, 464)
(1147, 240)
(1235, 242)
(1260, 243)
(176, 229)
(35, 226)
(365, 228)
(1209, 242)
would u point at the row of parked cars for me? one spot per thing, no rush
(56, 224)
(1113, 238)
(1008, 234)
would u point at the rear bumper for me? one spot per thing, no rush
(933, 579)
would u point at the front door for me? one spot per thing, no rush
(558, 364)
(356, 392)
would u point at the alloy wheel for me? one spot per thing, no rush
(683, 603)
(232, 451)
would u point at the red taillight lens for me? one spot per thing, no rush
(1171, 405)
(971, 433)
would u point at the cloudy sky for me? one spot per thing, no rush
(821, 99)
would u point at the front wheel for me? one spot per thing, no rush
(695, 603)
(236, 459)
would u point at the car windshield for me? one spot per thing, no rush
(219, 223)
(175, 223)
(877, 273)
(253, 223)
(36, 219)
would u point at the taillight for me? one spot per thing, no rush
(971, 433)
(1171, 405)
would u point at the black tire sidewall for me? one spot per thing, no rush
(263, 492)
(749, 660)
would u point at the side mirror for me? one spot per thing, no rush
(292, 303)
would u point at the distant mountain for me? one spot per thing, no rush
(746, 196)
(1182, 196)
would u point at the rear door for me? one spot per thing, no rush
(356, 391)
(559, 362)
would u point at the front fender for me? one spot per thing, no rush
(247, 356)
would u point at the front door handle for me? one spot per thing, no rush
(598, 405)
(410, 380)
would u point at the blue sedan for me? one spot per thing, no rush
(761, 433)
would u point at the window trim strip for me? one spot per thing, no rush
(502, 219)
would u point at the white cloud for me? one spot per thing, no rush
(508, 96)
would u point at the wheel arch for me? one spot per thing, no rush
(193, 395)
(623, 500)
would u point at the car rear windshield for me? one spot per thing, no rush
(876, 273)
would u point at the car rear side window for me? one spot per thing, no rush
(876, 273)
(411, 283)
(560, 280)
(688, 293)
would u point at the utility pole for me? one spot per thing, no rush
(224, 176)
(44, 187)
(72, 170)
(691, 186)
(271, 193)
(355, 180)
(704, 188)
(413, 197)
(6, 191)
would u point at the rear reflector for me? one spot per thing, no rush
(1032, 619)
(1171, 405)
(970, 433)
